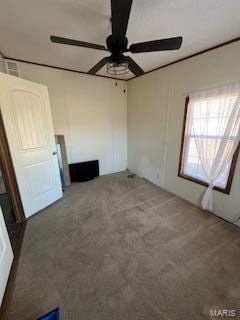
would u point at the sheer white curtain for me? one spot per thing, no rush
(214, 120)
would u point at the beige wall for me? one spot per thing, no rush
(90, 111)
(155, 117)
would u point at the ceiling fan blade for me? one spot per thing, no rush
(120, 16)
(99, 65)
(157, 45)
(134, 67)
(72, 42)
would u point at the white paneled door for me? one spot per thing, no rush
(28, 124)
(6, 256)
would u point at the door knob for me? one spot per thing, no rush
(54, 153)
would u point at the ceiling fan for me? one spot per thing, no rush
(117, 42)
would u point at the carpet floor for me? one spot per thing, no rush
(123, 249)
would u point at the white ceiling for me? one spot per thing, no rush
(25, 27)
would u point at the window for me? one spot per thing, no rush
(205, 122)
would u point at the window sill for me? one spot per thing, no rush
(203, 183)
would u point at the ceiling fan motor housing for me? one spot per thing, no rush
(117, 47)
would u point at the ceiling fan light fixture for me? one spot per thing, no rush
(117, 69)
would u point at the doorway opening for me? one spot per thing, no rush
(10, 200)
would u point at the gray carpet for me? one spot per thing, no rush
(123, 249)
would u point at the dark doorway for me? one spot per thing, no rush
(13, 227)
(10, 200)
